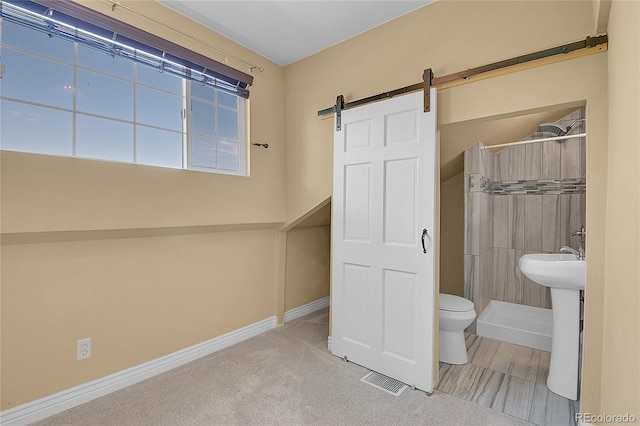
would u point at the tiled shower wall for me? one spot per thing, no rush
(523, 199)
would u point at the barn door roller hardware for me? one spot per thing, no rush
(590, 45)
(427, 80)
(341, 105)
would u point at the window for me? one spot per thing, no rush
(73, 96)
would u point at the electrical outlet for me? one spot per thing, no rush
(83, 348)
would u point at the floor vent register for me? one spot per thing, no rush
(387, 384)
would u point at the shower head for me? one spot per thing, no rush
(556, 129)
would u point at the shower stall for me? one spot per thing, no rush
(525, 198)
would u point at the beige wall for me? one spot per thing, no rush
(621, 338)
(449, 36)
(137, 298)
(307, 265)
(452, 236)
(143, 260)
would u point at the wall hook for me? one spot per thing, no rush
(264, 145)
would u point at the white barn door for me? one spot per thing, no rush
(384, 206)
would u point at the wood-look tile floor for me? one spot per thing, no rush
(507, 378)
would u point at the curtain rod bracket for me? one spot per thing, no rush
(427, 78)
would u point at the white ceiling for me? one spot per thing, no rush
(286, 31)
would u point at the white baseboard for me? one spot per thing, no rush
(306, 309)
(69, 398)
(329, 343)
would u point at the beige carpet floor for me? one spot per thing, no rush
(283, 377)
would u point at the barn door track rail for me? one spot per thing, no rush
(590, 45)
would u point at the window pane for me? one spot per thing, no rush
(24, 79)
(162, 80)
(203, 92)
(99, 94)
(203, 152)
(228, 158)
(104, 139)
(228, 124)
(227, 99)
(202, 117)
(36, 41)
(35, 129)
(108, 64)
(158, 147)
(158, 108)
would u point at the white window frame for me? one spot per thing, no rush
(243, 140)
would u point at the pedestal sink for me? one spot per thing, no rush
(565, 275)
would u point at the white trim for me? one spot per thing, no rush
(306, 309)
(329, 343)
(69, 398)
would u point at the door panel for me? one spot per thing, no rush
(358, 136)
(398, 313)
(356, 279)
(401, 127)
(400, 202)
(357, 205)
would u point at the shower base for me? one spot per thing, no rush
(519, 324)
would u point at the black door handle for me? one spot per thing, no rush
(425, 233)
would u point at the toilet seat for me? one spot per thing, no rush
(452, 303)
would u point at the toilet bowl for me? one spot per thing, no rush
(456, 314)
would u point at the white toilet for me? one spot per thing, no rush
(456, 314)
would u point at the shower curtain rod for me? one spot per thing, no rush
(555, 138)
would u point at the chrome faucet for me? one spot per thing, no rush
(567, 249)
(580, 252)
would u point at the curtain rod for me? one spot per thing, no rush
(591, 44)
(116, 4)
(555, 138)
